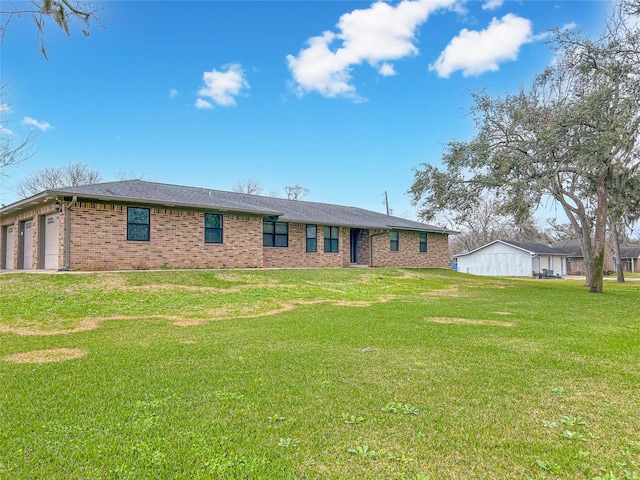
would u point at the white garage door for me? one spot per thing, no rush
(10, 245)
(51, 230)
(27, 262)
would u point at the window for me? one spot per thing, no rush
(138, 226)
(312, 238)
(423, 242)
(394, 241)
(275, 234)
(212, 228)
(331, 239)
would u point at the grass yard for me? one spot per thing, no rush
(327, 374)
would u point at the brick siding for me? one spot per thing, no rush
(409, 254)
(99, 242)
(296, 255)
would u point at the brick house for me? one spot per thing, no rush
(629, 255)
(136, 224)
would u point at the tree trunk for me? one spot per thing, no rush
(597, 268)
(582, 226)
(587, 256)
(616, 252)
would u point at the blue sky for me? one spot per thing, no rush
(342, 98)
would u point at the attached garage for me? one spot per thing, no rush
(133, 224)
(25, 257)
(8, 247)
(506, 258)
(51, 241)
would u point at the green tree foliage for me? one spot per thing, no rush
(564, 137)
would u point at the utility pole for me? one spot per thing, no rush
(386, 201)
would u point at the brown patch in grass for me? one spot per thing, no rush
(113, 281)
(469, 321)
(502, 313)
(223, 313)
(188, 322)
(46, 356)
(410, 274)
(450, 291)
(85, 325)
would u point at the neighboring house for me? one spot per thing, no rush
(573, 251)
(138, 225)
(506, 258)
(629, 254)
(630, 257)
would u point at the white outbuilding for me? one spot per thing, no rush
(506, 258)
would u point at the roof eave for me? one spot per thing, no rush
(28, 202)
(368, 225)
(424, 229)
(36, 199)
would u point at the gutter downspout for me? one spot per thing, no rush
(384, 232)
(67, 235)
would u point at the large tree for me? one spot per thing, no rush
(57, 177)
(563, 137)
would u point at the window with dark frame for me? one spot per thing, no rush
(312, 238)
(423, 242)
(212, 228)
(138, 224)
(331, 239)
(394, 241)
(275, 234)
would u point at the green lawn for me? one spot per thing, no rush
(336, 374)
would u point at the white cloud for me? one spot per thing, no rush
(222, 87)
(173, 93)
(386, 70)
(5, 108)
(5, 131)
(43, 126)
(203, 104)
(492, 4)
(475, 52)
(376, 35)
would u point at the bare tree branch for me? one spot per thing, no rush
(50, 178)
(296, 192)
(13, 151)
(249, 186)
(63, 12)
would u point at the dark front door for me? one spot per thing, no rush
(355, 236)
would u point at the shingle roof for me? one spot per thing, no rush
(569, 247)
(531, 247)
(573, 248)
(630, 251)
(152, 193)
(535, 247)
